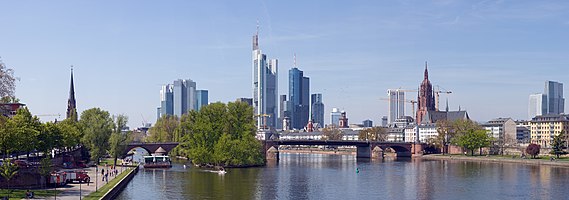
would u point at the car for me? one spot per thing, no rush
(22, 163)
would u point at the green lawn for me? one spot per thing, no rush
(103, 190)
(20, 194)
(110, 161)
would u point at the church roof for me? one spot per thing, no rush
(435, 116)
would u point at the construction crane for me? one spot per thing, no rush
(264, 119)
(49, 115)
(438, 91)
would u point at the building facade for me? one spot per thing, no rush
(265, 87)
(202, 99)
(249, 101)
(299, 96)
(166, 100)
(543, 128)
(367, 123)
(335, 117)
(184, 96)
(537, 105)
(396, 104)
(317, 110)
(555, 100)
(503, 130)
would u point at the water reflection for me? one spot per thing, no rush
(311, 176)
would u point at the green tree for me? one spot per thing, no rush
(45, 169)
(8, 170)
(119, 139)
(474, 139)
(71, 135)
(97, 127)
(446, 133)
(373, 134)
(332, 133)
(557, 145)
(50, 137)
(164, 129)
(27, 129)
(8, 139)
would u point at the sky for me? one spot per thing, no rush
(491, 54)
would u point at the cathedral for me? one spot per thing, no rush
(427, 113)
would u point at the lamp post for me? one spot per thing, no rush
(96, 176)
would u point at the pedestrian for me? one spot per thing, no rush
(103, 173)
(107, 177)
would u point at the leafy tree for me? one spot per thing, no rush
(97, 127)
(27, 129)
(45, 169)
(373, 134)
(71, 135)
(9, 99)
(533, 150)
(8, 170)
(164, 129)
(446, 133)
(50, 137)
(7, 81)
(119, 139)
(8, 139)
(474, 139)
(557, 145)
(332, 133)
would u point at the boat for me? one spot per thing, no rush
(157, 161)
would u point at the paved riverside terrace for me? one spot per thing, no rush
(71, 191)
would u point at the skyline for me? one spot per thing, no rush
(491, 55)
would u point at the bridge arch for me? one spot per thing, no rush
(151, 147)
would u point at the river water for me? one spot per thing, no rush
(315, 176)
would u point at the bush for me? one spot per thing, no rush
(533, 150)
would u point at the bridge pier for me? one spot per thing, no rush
(377, 153)
(417, 149)
(272, 154)
(363, 152)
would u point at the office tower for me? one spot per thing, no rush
(555, 100)
(166, 100)
(202, 99)
(384, 121)
(249, 101)
(282, 111)
(299, 91)
(537, 105)
(317, 110)
(265, 87)
(367, 123)
(396, 105)
(184, 96)
(335, 117)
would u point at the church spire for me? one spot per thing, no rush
(426, 71)
(71, 106)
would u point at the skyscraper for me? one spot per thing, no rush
(426, 99)
(71, 104)
(555, 100)
(282, 110)
(335, 117)
(396, 104)
(537, 105)
(202, 99)
(184, 96)
(166, 100)
(317, 109)
(265, 87)
(299, 91)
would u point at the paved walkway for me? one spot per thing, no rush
(72, 190)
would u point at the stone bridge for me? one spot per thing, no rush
(365, 149)
(151, 147)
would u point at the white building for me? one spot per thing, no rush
(537, 105)
(425, 132)
(335, 117)
(396, 104)
(265, 87)
(502, 129)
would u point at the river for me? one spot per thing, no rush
(316, 176)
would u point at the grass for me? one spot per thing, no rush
(103, 190)
(20, 194)
(110, 161)
(540, 157)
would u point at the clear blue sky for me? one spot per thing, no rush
(491, 54)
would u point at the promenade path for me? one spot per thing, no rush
(71, 191)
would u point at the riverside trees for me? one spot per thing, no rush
(220, 134)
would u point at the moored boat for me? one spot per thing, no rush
(157, 161)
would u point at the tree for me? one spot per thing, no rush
(533, 150)
(8, 138)
(119, 139)
(97, 127)
(45, 169)
(70, 133)
(7, 81)
(557, 145)
(8, 170)
(50, 137)
(27, 129)
(373, 134)
(164, 129)
(332, 132)
(474, 139)
(446, 133)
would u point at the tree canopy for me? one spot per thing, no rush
(164, 129)
(373, 134)
(7, 81)
(97, 127)
(332, 133)
(469, 135)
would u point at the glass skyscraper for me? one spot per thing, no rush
(396, 105)
(555, 100)
(178, 98)
(265, 87)
(299, 91)
(317, 109)
(202, 99)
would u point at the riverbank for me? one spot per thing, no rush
(496, 159)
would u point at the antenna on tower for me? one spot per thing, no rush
(294, 59)
(257, 26)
